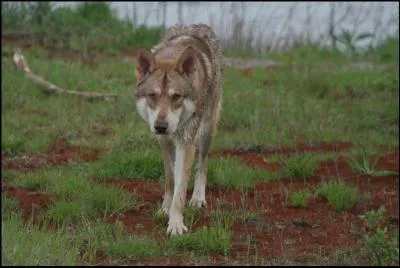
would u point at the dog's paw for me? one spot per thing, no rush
(197, 202)
(176, 227)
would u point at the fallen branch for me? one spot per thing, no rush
(51, 88)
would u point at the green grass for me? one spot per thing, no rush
(191, 216)
(226, 218)
(230, 173)
(340, 195)
(300, 164)
(128, 165)
(94, 201)
(300, 198)
(74, 196)
(9, 206)
(92, 235)
(99, 236)
(28, 245)
(203, 241)
(41, 180)
(133, 248)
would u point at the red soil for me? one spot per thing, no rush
(61, 153)
(282, 230)
(31, 203)
(279, 230)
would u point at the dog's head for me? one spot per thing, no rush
(164, 93)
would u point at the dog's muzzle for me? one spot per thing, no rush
(161, 126)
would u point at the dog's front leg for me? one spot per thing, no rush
(184, 154)
(168, 149)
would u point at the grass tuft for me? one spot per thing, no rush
(340, 196)
(231, 173)
(203, 241)
(300, 165)
(300, 198)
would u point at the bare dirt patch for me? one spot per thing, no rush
(31, 203)
(61, 153)
(138, 221)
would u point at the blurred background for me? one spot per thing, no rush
(245, 28)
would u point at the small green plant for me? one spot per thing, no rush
(381, 249)
(191, 216)
(300, 164)
(362, 164)
(300, 198)
(223, 218)
(373, 217)
(339, 195)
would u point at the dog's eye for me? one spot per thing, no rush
(176, 96)
(152, 95)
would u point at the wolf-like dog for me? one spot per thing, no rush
(178, 93)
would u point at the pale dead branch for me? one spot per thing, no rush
(48, 87)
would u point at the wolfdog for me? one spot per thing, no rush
(178, 93)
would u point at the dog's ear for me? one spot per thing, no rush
(186, 63)
(145, 63)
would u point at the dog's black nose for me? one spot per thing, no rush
(161, 126)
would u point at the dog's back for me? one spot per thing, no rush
(200, 33)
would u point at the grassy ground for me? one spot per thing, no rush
(284, 107)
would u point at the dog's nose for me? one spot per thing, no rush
(161, 126)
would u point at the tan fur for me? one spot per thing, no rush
(179, 87)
